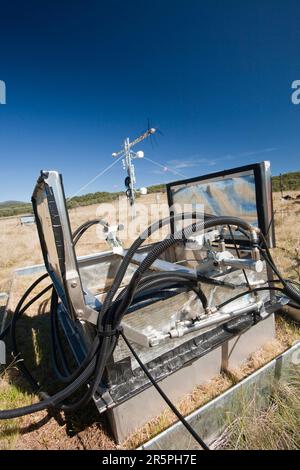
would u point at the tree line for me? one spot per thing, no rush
(289, 181)
(10, 210)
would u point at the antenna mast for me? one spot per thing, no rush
(129, 155)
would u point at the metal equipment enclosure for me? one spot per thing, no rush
(182, 342)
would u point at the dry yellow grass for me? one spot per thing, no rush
(274, 428)
(287, 227)
(20, 245)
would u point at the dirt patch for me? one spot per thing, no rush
(41, 432)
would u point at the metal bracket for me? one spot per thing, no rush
(111, 237)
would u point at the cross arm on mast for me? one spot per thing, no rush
(116, 154)
(142, 137)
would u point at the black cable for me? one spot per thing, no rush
(90, 360)
(11, 328)
(4, 332)
(257, 289)
(52, 401)
(291, 304)
(81, 375)
(190, 285)
(110, 317)
(114, 318)
(79, 232)
(270, 224)
(291, 281)
(289, 289)
(134, 247)
(164, 396)
(62, 372)
(17, 314)
(23, 298)
(239, 256)
(84, 370)
(179, 237)
(287, 280)
(168, 276)
(107, 320)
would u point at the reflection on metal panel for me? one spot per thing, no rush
(244, 192)
(232, 195)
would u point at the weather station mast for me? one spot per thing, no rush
(129, 155)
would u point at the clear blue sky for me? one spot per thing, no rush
(215, 76)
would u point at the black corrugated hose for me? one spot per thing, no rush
(90, 364)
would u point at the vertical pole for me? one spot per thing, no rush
(130, 173)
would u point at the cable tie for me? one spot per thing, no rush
(109, 333)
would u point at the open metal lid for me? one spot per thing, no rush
(244, 192)
(53, 224)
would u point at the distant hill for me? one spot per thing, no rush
(11, 208)
(6, 204)
(98, 198)
(291, 182)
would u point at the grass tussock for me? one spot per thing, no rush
(276, 428)
(10, 397)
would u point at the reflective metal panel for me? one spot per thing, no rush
(230, 195)
(243, 192)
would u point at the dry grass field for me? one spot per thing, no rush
(20, 247)
(287, 227)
